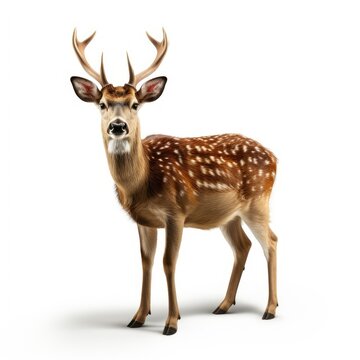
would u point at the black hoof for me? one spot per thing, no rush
(219, 311)
(135, 324)
(168, 330)
(268, 316)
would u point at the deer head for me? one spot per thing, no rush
(119, 105)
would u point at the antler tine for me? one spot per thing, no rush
(131, 70)
(161, 48)
(79, 47)
(102, 71)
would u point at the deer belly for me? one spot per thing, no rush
(213, 211)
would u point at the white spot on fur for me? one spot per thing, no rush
(191, 174)
(221, 186)
(203, 169)
(244, 148)
(242, 162)
(118, 146)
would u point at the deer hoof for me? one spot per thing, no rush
(268, 316)
(135, 324)
(219, 311)
(168, 330)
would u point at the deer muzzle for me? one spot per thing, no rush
(117, 128)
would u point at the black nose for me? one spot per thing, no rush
(118, 127)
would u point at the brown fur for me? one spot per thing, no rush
(172, 183)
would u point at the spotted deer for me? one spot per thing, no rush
(171, 182)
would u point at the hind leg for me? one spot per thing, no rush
(257, 218)
(240, 245)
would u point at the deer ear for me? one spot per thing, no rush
(152, 89)
(85, 89)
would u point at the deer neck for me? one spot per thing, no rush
(130, 167)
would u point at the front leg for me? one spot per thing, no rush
(174, 228)
(148, 239)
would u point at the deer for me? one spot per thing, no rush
(169, 182)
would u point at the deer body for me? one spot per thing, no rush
(208, 179)
(172, 183)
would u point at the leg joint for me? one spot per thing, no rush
(169, 266)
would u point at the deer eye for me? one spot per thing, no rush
(102, 106)
(135, 106)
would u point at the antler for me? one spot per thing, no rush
(79, 48)
(161, 48)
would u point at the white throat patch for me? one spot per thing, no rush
(118, 146)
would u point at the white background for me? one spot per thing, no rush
(286, 73)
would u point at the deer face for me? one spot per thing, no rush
(119, 105)
(119, 109)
